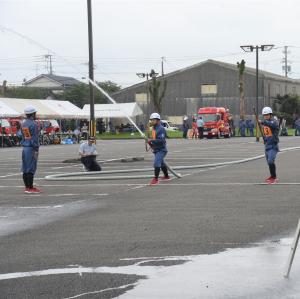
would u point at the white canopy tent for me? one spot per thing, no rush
(114, 110)
(46, 109)
(6, 111)
(65, 109)
(20, 104)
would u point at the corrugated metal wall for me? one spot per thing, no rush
(183, 95)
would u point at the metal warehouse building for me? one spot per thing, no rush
(211, 83)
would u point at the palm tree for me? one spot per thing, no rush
(156, 94)
(241, 67)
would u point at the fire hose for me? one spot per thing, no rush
(110, 175)
(102, 175)
(132, 122)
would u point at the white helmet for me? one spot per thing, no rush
(30, 110)
(267, 110)
(155, 116)
(185, 118)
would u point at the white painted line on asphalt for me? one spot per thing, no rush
(63, 194)
(206, 158)
(44, 171)
(11, 174)
(74, 194)
(102, 291)
(136, 187)
(84, 185)
(231, 184)
(37, 207)
(66, 166)
(19, 178)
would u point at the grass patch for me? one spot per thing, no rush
(291, 132)
(171, 134)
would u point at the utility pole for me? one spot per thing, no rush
(92, 128)
(49, 63)
(50, 57)
(162, 66)
(285, 52)
(286, 68)
(250, 48)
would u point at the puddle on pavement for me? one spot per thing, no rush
(255, 272)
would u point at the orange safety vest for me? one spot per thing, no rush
(153, 134)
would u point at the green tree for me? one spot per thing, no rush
(79, 94)
(109, 86)
(287, 106)
(241, 67)
(157, 91)
(25, 92)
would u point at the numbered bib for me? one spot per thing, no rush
(26, 133)
(267, 132)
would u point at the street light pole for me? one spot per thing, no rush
(148, 104)
(250, 48)
(92, 127)
(257, 135)
(147, 75)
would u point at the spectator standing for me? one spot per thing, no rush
(200, 127)
(84, 131)
(242, 127)
(251, 127)
(194, 128)
(77, 134)
(247, 126)
(185, 127)
(111, 127)
(297, 126)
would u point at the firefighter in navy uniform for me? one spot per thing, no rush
(30, 143)
(271, 140)
(158, 145)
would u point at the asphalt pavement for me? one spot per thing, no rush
(100, 226)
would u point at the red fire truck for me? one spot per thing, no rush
(216, 122)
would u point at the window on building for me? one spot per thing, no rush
(141, 98)
(209, 89)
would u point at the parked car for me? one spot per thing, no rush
(168, 125)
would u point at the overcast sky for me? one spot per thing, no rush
(131, 36)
